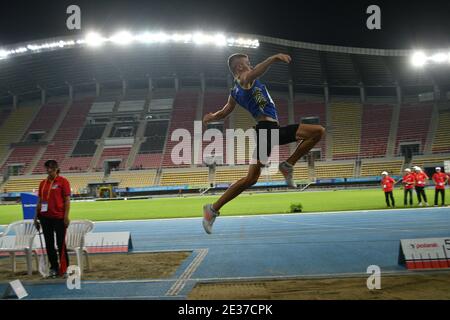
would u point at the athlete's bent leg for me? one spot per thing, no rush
(311, 135)
(239, 186)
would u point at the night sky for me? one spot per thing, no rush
(405, 24)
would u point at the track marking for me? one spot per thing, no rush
(329, 226)
(398, 210)
(186, 275)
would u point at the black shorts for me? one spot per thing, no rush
(286, 135)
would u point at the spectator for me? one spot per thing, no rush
(408, 183)
(420, 183)
(388, 185)
(440, 179)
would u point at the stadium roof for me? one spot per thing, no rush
(312, 67)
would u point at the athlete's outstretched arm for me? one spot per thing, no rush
(261, 68)
(222, 113)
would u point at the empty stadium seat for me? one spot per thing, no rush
(413, 124)
(346, 126)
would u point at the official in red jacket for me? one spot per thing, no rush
(408, 181)
(440, 180)
(52, 213)
(387, 183)
(420, 183)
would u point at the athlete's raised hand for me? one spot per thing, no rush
(283, 57)
(208, 118)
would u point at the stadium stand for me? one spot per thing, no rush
(133, 178)
(162, 104)
(66, 135)
(23, 183)
(124, 129)
(150, 151)
(413, 124)
(441, 142)
(375, 167)
(13, 128)
(147, 161)
(193, 178)
(120, 153)
(183, 116)
(429, 161)
(84, 149)
(45, 119)
(42, 123)
(155, 134)
(76, 164)
(346, 126)
(102, 107)
(300, 172)
(334, 169)
(131, 106)
(376, 123)
(79, 182)
(23, 156)
(230, 174)
(4, 114)
(312, 110)
(134, 124)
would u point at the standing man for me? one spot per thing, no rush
(52, 213)
(408, 183)
(421, 181)
(388, 185)
(440, 179)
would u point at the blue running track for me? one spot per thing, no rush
(266, 246)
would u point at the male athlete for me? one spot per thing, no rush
(252, 95)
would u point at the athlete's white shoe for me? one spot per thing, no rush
(287, 170)
(209, 216)
(420, 204)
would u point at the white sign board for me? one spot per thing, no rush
(431, 253)
(15, 289)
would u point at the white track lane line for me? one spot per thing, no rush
(186, 275)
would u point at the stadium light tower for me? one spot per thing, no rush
(419, 59)
(122, 38)
(3, 54)
(94, 39)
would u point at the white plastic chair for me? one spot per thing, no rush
(25, 232)
(75, 235)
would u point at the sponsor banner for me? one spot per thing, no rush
(431, 253)
(270, 184)
(367, 179)
(330, 181)
(10, 195)
(222, 185)
(149, 189)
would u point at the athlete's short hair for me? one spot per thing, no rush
(232, 61)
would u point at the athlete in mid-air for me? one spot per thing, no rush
(252, 95)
